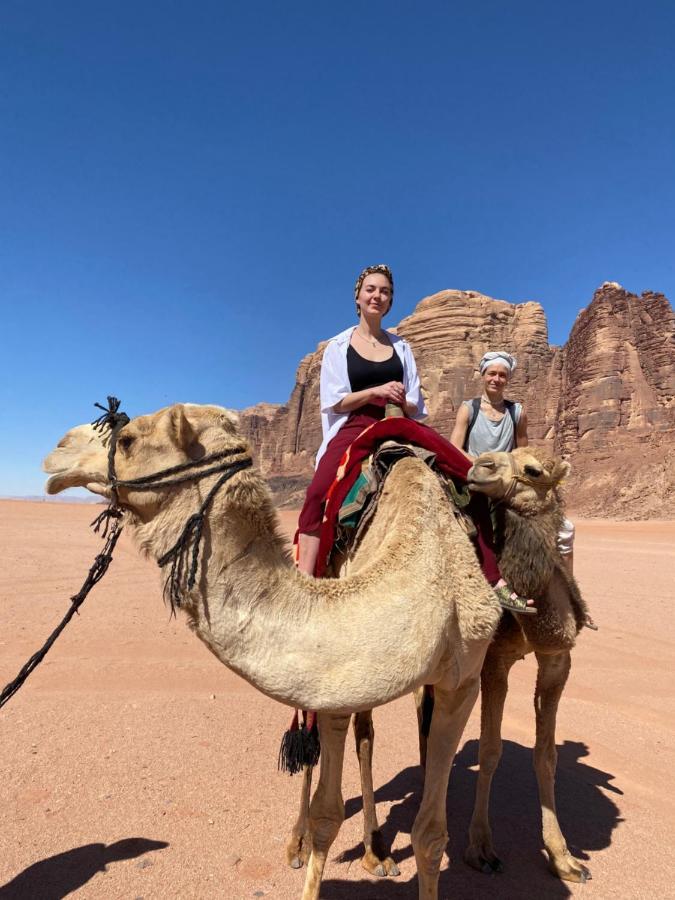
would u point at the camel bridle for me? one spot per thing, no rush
(516, 479)
(188, 543)
(190, 538)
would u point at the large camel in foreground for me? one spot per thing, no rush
(524, 485)
(414, 609)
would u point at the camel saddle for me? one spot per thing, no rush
(352, 498)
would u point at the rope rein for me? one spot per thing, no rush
(109, 524)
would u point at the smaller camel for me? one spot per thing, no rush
(529, 514)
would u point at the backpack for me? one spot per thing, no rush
(510, 407)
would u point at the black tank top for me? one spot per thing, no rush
(364, 373)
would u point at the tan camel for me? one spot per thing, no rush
(528, 522)
(312, 643)
(526, 533)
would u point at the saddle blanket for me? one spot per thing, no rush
(448, 460)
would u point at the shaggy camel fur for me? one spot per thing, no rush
(526, 544)
(313, 643)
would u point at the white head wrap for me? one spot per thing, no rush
(498, 356)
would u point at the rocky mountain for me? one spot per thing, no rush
(605, 400)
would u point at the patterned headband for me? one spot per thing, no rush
(371, 270)
(498, 356)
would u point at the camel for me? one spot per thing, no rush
(309, 643)
(529, 515)
(524, 486)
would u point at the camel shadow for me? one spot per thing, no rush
(60, 875)
(587, 817)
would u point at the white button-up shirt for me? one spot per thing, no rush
(335, 383)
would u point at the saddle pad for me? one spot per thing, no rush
(449, 460)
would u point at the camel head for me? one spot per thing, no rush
(147, 444)
(525, 479)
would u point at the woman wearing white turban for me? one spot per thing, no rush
(491, 423)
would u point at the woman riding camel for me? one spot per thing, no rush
(363, 369)
(492, 423)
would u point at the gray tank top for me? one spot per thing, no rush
(486, 435)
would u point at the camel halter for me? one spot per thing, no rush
(190, 537)
(189, 540)
(517, 479)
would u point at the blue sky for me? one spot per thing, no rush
(188, 190)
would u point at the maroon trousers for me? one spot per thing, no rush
(311, 515)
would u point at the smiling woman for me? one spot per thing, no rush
(491, 423)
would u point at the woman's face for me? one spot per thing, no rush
(495, 379)
(375, 295)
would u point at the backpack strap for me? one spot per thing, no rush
(473, 415)
(511, 410)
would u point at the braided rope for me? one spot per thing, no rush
(108, 522)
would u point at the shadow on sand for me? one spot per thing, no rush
(587, 817)
(60, 875)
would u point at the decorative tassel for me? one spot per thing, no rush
(299, 746)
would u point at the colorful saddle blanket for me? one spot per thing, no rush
(448, 460)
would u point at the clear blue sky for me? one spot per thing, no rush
(188, 190)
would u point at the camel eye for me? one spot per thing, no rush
(532, 471)
(125, 442)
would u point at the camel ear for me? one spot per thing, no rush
(561, 470)
(179, 427)
(229, 420)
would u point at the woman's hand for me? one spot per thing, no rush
(391, 392)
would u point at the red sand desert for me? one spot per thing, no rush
(134, 765)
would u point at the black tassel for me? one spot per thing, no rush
(299, 747)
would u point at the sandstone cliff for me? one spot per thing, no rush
(606, 400)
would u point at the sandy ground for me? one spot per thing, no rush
(134, 765)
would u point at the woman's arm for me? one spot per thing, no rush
(458, 435)
(521, 431)
(392, 392)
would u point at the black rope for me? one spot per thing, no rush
(190, 539)
(108, 522)
(96, 572)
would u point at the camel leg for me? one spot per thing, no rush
(376, 859)
(494, 687)
(551, 678)
(327, 809)
(299, 847)
(429, 833)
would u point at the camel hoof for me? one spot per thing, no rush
(571, 869)
(379, 867)
(483, 861)
(295, 862)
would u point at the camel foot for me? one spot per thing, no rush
(569, 868)
(298, 850)
(484, 860)
(380, 866)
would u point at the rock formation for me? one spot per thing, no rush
(606, 400)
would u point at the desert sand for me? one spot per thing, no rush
(134, 765)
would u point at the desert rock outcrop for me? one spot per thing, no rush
(605, 400)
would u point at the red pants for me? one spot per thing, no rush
(311, 515)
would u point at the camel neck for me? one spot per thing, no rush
(307, 642)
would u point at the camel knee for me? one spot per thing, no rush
(489, 758)
(324, 829)
(429, 844)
